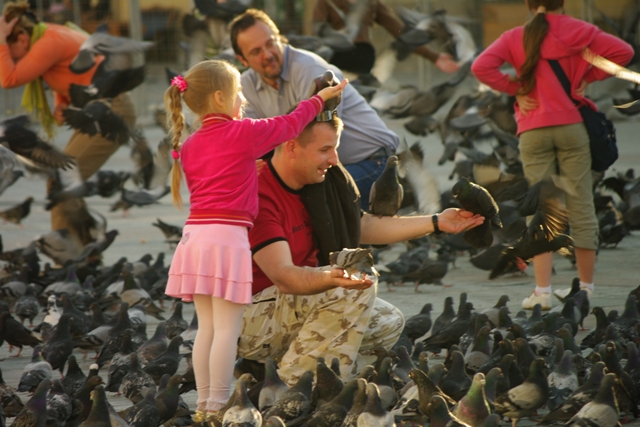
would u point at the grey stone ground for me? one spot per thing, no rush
(617, 270)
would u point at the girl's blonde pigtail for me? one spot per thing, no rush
(175, 122)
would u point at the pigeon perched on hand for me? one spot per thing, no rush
(357, 262)
(386, 192)
(477, 199)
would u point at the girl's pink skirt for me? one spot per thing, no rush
(212, 259)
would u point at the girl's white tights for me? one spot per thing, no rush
(214, 349)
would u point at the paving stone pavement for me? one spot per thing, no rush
(617, 270)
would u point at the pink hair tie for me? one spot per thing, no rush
(175, 154)
(180, 82)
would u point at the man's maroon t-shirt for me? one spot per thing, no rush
(281, 216)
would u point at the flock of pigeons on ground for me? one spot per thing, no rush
(496, 366)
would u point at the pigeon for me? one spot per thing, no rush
(155, 346)
(11, 402)
(477, 199)
(34, 413)
(473, 408)
(172, 233)
(165, 363)
(133, 294)
(455, 382)
(335, 411)
(15, 334)
(84, 393)
(145, 412)
(135, 380)
(439, 414)
(35, 372)
(445, 318)
(168, 398)
(78, 321)
(120, 363)
(479, 351)
(359, 401)
(384, 382)
(97, 117)
(602, 411)
(175, 325)
(403, 365)
(106, 84)
(273, 387)
(17, 213)
(563, 381)
(75, 378)
(451, 334)
(492, 313)
(119, 53)
(581, 396)
(100, 414)
(57, 349)
(328, 385)
(59, 405)
(243, 413)
(523, 400)
(373, 413)
(357, 262)
(386, 192)
(427, 389)
(15, 135)
(294, 405)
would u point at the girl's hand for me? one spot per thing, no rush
(526, 104)
(331, 92)
(458, 220)
(446, 63)
(582, 87)
(6, 28)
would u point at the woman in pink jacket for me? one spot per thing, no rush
(553, 138)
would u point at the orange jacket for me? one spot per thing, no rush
(50, 58)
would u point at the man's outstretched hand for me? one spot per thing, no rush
(339, 279)
(455, 221)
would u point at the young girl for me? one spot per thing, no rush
(212, 263)
(552, 135)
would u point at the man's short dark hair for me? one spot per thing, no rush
(248, 20)
(305, 136)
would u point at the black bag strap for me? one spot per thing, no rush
(564, 80)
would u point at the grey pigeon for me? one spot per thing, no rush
(335, 411)
(359, 401)
(120, 363)
(562, 381)
(59, 405)
(295, 403)
(145, 412)
(135, 380)
(35, 372)
(154, 346)
(165, 363)
(75, 378)
(176, 324)
(521, 401)
(602, 411)
(58, 348)
(374, 414)
(242, 413)
(328, 384)
(273, 387)
(580, 397)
